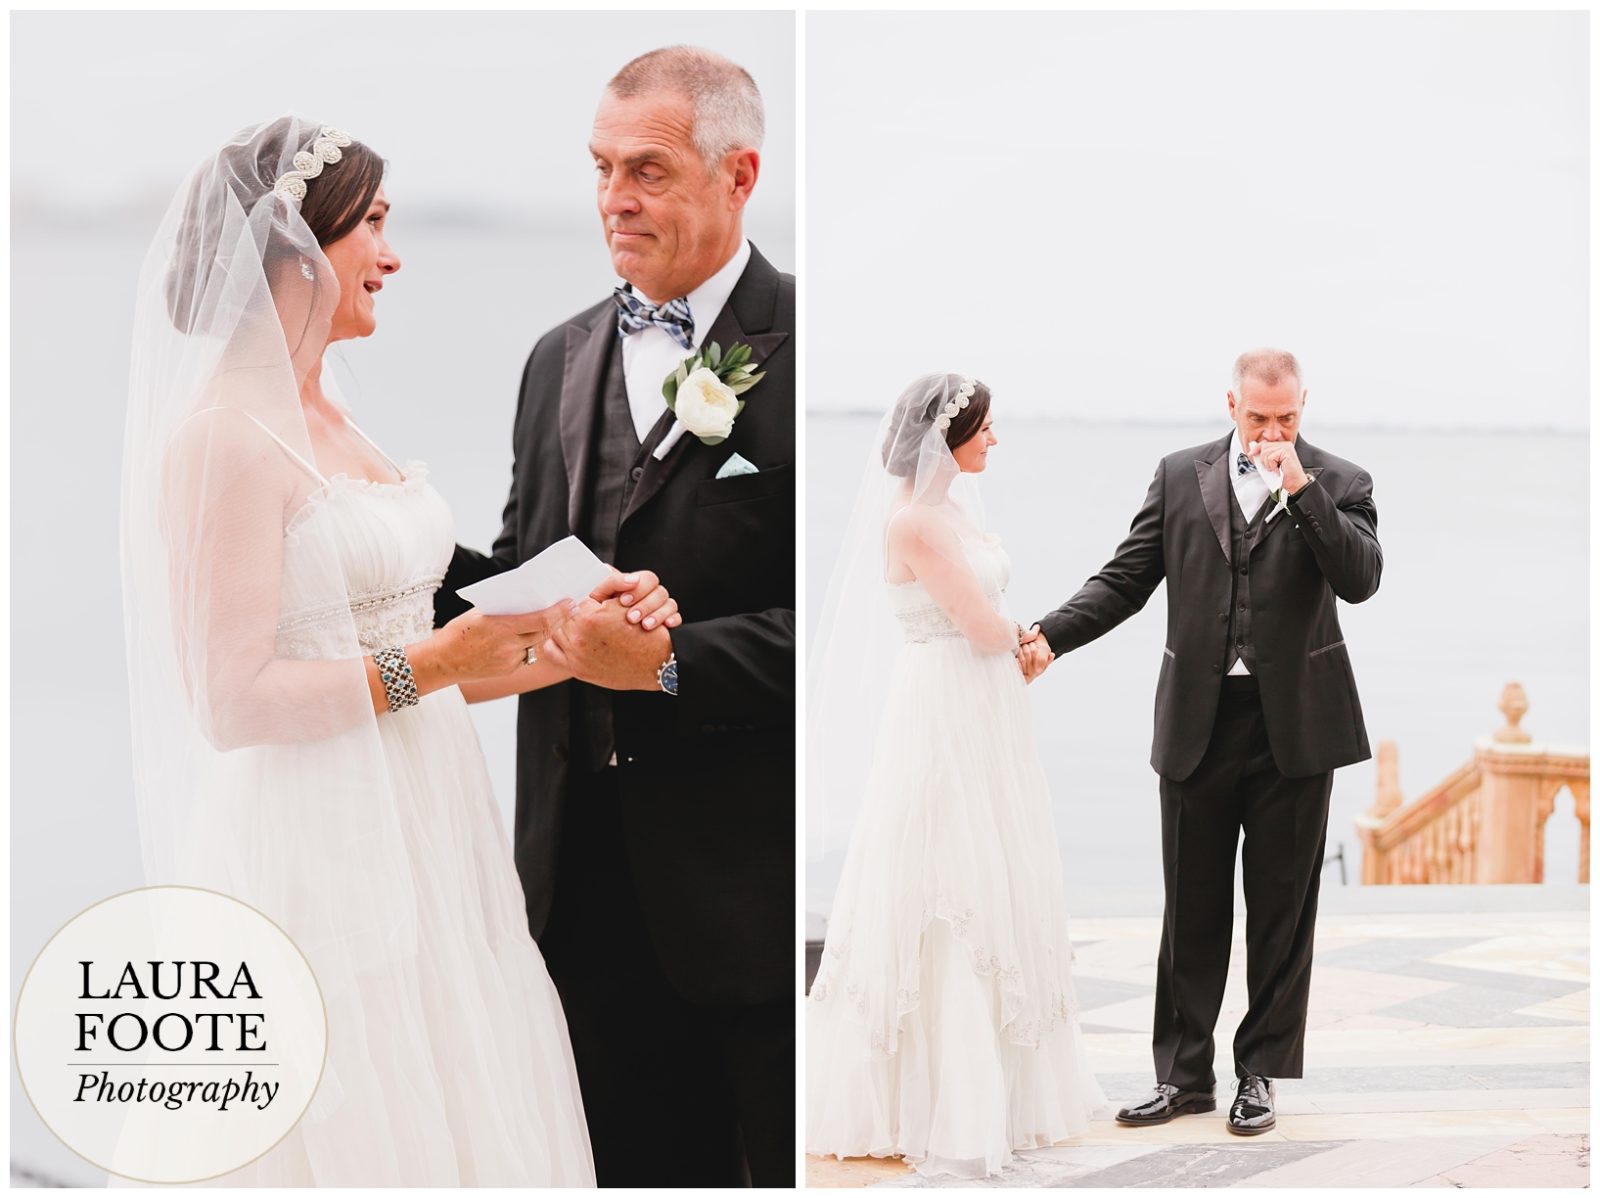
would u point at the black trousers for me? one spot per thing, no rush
(675, 1094)
(1237, 787)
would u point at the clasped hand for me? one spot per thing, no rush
(607, 639)
(618, 637)
(1033, 653)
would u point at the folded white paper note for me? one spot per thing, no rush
(566, 570)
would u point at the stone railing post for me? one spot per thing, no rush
(1515, 801)
(1510, 834)
(1375, 860)
(1580, 805)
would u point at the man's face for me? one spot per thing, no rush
(1264, 411)
(669, 222)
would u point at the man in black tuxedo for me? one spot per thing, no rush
(655, 794)
(1255, 708)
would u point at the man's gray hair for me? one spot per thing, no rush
(1268, 365)
(727, 105)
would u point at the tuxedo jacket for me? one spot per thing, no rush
(706, 777)
(1323, 547)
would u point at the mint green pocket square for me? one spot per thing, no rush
(736, 465)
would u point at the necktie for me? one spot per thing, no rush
(1245, 464)
(672, 317)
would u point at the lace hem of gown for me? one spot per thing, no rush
(1027, 1032)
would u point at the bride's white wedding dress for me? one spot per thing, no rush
(942, 1025)
(254, 588)
(449, 1065)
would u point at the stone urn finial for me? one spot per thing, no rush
(1514, 703)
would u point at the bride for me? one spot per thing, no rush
(301, 738)
(942, 1025)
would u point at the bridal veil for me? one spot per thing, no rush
(257, 765)
(910, 483)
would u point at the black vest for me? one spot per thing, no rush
(617, 466)
(1246, 535)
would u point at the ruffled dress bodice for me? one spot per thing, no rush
(393, 540)
(923, 621)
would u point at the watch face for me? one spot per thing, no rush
(669, 678)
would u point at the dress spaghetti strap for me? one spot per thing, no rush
(393, 465)
(282, 444)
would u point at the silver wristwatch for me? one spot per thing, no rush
(667, 674)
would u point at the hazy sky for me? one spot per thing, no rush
(475, 111)
(1095, 213)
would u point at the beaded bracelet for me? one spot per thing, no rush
(399, 684)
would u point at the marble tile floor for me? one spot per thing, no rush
(1443, 1048)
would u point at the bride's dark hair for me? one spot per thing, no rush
(339, 197)
(964, 425)
(335, 202)
(921, 407)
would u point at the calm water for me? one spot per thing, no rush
(1485, 581)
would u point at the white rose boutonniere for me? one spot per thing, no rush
(703, 392)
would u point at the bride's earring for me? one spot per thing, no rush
(306, 272)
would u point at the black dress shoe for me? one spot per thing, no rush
(1252, 1111)
(1166, 1102)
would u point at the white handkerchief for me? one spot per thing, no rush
(736, 465)
(566, 570)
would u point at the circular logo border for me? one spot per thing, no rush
(23, 1081)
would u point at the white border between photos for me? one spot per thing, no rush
(800, 11)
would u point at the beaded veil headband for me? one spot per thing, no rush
(308, 164)
(951, 409)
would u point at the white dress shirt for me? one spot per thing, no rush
(1250, 489)
(651, 354)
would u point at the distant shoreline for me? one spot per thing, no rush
(1084, 422)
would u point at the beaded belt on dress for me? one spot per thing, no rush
(922, 625)
(381, 619)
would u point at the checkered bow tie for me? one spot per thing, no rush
(672, 317)
(1245, 464)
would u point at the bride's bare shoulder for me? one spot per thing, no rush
(914, 527)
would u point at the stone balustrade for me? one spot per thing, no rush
(1486, 821)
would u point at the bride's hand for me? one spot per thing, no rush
(648, 603)
(1034, 654)
(474, 646)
